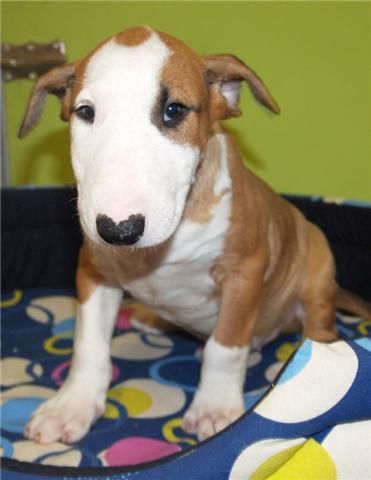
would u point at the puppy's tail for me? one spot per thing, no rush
(352, 303)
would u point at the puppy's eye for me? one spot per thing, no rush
(86, 113)
(174, 114)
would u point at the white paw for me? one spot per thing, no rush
(219, 397)
(206, 420)
(66, 417)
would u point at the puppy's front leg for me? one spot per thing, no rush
(69, 414)
(219, 397)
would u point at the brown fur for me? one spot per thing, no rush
(194, 94)
(122, 266)
(87, 276)
(57, 82)
(230, 68)
(273, 253)
(261, 249)
(133, 36)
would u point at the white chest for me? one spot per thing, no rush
(181, 289)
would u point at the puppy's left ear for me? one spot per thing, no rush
(58, 82)
(224, 74)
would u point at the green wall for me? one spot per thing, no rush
(314, 56)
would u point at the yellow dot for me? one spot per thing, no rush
(284, 352)
(49, 344)
(135, 401)
(168, 432)
(17, 296)
(273, 463)
(364, 327)
(307, 462)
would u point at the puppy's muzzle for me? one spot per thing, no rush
(126, 232)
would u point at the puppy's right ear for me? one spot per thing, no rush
(57, 81)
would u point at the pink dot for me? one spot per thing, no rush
(135, 450)
(59, 370)
(115, 372)
(123, 319)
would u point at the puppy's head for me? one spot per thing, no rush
(141, 107)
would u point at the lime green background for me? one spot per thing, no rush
(314, 56)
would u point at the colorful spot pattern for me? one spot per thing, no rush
(149, 394)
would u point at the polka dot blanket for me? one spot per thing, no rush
(309, 413)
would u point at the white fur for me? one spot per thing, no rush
(69, 414)
(181, 289)
(219, 397)
(223, 369)
(123, 164)
(223, 181)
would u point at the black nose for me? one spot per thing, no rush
(126, 232)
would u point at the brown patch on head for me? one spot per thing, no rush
(183, 81)
(133, 36)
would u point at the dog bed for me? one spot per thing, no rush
(314, 418)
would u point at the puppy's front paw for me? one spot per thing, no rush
(206, 419)
(66, 417)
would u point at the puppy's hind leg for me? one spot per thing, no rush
(318, 293)
(69, 414)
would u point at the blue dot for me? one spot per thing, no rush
(7, 447)
(16, 412)
(297, 364)
(67, 325)
(364, 343)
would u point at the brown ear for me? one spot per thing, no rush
(57, 81)
(224, 74)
